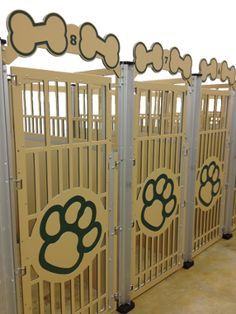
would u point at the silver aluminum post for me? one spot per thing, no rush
(227, 229)
(193, 110)
(8, 303)
(125, 164)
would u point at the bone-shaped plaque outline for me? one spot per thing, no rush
(97, 53)
(226, 68)
(36, 44)
(182, 58)
(209, 74)
(147, 51)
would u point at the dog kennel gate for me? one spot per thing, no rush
(158, 182)
(62, 135)
(212, 165)
(62, 126)
(64, 158)
(108, 204)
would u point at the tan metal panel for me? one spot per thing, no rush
(212, 164)
(62, 155)
(157, 183)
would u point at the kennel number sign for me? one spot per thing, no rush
(25, 36)
(53, 34)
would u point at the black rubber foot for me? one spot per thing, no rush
(188, 264)
(227, 236)
(125, 308)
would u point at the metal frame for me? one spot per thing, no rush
(8, 300)
(192, 131)
(230, 185)
(125, 163)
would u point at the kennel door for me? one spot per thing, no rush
(158, 182)
(212, 163)
(62, 131)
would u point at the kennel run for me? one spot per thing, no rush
(109, 184)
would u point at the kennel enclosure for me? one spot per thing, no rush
(109, 183)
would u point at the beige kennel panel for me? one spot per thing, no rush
(158, 178)
(62, 132)
(211, 168)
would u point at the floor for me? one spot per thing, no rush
(207, 288)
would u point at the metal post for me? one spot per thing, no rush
(8, 303)
(193, 110)
(227, 229)
(125, 164)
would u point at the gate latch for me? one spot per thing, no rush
(116, 296)
(116, 230)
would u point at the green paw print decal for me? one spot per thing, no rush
(75, 232)
(159, 202)
(210, 183)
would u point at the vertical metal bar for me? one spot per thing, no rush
(193, 110)
(111, 230)
(227, 229)
(125, 156)
(7, 278)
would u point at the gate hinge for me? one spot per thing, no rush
(116, 296)
(116, 230)
(12, 78)
(19, 183)
(185, 150)
(117, 163)
(183, 204)
(20, 271)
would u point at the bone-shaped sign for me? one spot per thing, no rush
(144, 57)
(160, 59)
(208, 69)
(26, 35)
(92, 45)
(215, 70)
(227, 73)
(180, 64)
